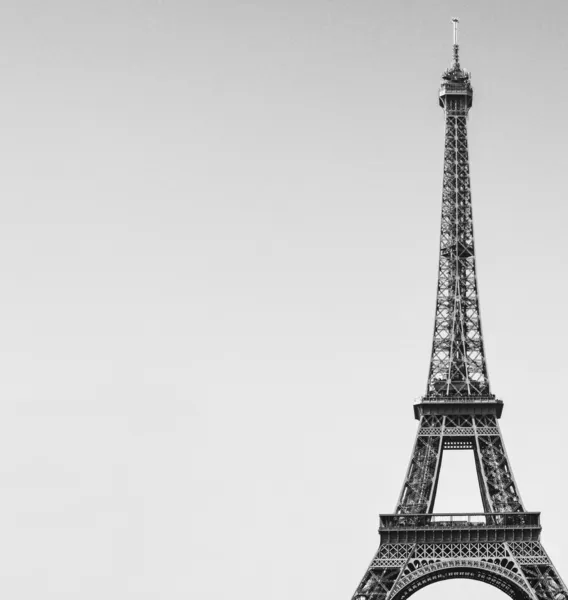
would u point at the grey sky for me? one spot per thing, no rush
(218, 258)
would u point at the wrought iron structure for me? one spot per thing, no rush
(458, 412)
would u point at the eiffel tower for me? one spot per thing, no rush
(500, 546)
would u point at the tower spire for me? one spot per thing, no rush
(456, 64)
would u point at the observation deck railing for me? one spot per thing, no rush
(457, 88)
(460, 520)
(457, 399)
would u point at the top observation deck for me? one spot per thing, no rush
(456, 82)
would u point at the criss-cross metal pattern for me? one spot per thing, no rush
(457, 366)
(481, 434)
(501, 546)
(521, 569)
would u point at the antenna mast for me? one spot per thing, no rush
(456, 64)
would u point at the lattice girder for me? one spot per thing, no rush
(457, 366)
(419, 488)
(478, 433)
(520, 569)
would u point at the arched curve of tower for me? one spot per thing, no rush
(494, 574)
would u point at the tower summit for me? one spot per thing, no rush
(500, 546)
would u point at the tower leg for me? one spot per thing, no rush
(384, 571)
(419, 488)
(538, 570)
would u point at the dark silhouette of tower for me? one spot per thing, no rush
(500, 546)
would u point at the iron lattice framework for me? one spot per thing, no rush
(457, 367)
(500, 546)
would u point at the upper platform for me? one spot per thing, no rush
(456, 83)
(458, 405)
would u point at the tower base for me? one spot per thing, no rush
(501, 549)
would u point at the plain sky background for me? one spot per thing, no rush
(219, 236)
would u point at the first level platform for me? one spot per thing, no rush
(460, 527)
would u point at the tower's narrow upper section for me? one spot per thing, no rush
(457, 366)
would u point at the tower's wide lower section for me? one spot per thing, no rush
(501, 549)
